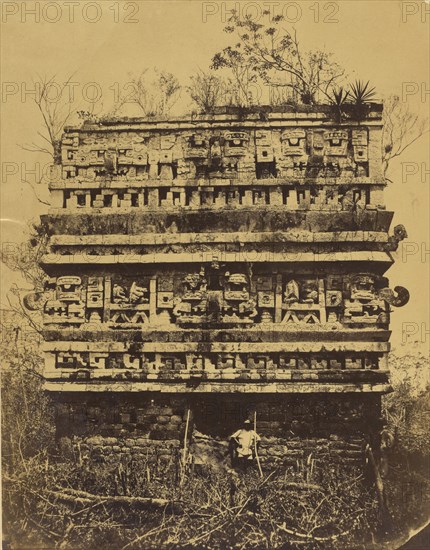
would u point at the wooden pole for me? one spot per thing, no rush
(380, 489)
(255, 445)
(184, 452)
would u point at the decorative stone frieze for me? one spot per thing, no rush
(200, 262)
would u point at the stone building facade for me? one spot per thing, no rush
(205, 268)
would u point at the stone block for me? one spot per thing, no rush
(297, 453)
(95, 440)
(110, 440)
(321, 231)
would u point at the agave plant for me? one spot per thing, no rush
(339, 96)
(338, 99)
(361, 93)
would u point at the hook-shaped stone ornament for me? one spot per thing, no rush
(390, 297)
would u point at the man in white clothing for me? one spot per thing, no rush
(245, 442)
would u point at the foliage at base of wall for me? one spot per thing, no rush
(56, 505)
(56, 501)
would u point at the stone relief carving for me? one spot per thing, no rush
(192, 305)
(66, 304)
(212, 153)
(238, 306)
(303, 302)
(350, 300)
(158, 364)
(324, 197)
(399, 235)
(399, 300)
(129, 304)
(363, 305)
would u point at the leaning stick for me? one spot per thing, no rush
(184, 453)
(255, 445)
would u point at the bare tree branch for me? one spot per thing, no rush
(401, 129)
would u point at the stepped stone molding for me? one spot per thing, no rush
(202, 262)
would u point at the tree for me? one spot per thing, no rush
(276, 56)
(56, 105)
(241, 83)
(154, 95)
(401, 129)
(206, 90)
(24, 260)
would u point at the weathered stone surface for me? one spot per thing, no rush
(95, 441)
(204, 271)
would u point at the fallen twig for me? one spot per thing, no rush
(82, 497)
(311, 537)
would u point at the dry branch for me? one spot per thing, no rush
(81, 497)
(311, 537)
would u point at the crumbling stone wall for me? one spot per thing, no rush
(152, 427)
(219, 266)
